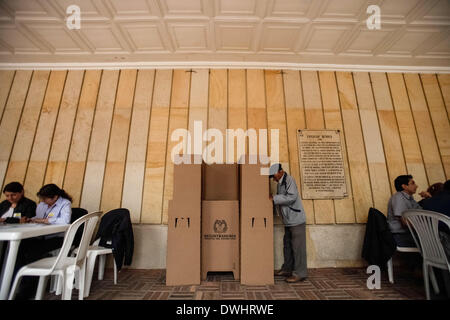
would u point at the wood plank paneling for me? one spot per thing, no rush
(439, 117)
(359, 173)
(217, 113)
(198, 106)
(34, 178)
(11, 117)
(18, 162)
(444, 83)
(179, 113)
(237, 109)
(425, 130)
(379, 179)
(389, 129)
(104, 136)
(407, 129)
(118, 142)
(295, 119)
(276, 116)
(137, 146)
(152, 202)
(6, 80)
(344, 210)
(98, 146)
(323, 209)
(59, 151)
(76, 163)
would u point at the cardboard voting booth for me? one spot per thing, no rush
(220, 219)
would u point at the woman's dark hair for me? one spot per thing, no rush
(51, 190)
(13, 187)
(400, 180)
(435, 188)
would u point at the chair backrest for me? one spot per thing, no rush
(76, 214)
(88, 222)
(426, 226)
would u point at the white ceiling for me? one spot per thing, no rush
(245, 33)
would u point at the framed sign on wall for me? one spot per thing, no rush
(321, 164)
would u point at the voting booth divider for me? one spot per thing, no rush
(220, 220)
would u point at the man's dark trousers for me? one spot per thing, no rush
(294, 242)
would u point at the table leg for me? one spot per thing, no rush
(8, 268)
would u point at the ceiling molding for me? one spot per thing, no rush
(222, 65)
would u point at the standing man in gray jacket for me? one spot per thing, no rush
(294, 219)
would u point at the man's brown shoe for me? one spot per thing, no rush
(282, 273)
(293, 279)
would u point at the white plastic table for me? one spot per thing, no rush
(14, 233)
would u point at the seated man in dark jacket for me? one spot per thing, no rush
(16, 204)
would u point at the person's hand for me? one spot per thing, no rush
(37, 220)
(24, 220)
(425, 194)
(270, 197)
(2, 220)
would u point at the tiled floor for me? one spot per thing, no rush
(322, 284)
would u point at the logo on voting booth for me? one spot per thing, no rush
(220, 226)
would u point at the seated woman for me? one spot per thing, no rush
(16, 204)
(55, 206)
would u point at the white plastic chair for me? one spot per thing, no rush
(62, 265)
(101, 252)
(389, 263)
(425, 224)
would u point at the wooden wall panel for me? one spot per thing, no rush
(179, 114)
(11, 117)
(379, 179)
(295, 119)
(439, 117)
(237, 109)
(198, 106)
(323, 209)
(389, 129)
(18, 162)
(34, 178)
(152, 201)
(425, 130)
(118, 142)
(6, 80)
(408, 134)
(133, 183)
(359, 173)
(217, 111)
(444, 83)
(76, 163)
(98, 146)
(59, 151)
(276, 116)
(344, 209)
(105, 135)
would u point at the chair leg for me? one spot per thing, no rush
(41, 287)
(81, 281)
(68, 285)
(115, 272)
(101, 266)
(16, 284)
(433, 280)
(90, 264)
(426, 281)
(390, 271)
(53, 283)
